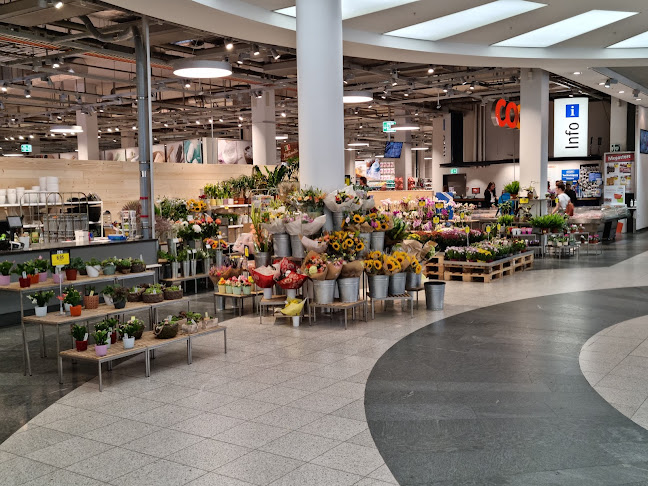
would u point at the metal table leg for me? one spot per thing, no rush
(345, 319)
(189, 357)
(225, 339)
(100, 379)
(26, 360)
(58, 354)
(147, 362)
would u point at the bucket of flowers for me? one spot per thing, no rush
(378, 279)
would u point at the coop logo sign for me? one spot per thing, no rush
(506, 114)
(570, 127)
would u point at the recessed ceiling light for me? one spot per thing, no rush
(357, 97)
(355, 8)
(58, 5)
(622, 91)
(220, 120)
(283, 114)
(465, 20)
(201, 68)
(27, 93)
(66, 129)
(577, 73)
(255, 50)
(430, 70)
(56, 65)
(229, 45)
(281, 137)
(638, 41)
(420, 148)
(563, 30)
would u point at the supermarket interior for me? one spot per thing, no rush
(352, 242)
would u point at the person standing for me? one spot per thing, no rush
(490, 195)
(564, 206)
(571, 193)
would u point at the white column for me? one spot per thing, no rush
(404, 164)
(264, 130)
(349, 164)
(319, 83)
(534, 129)
(440, 151)
(88, 143)
(618, 123)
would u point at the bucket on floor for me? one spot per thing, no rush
(397, 283)
(434, 295)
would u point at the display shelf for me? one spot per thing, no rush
(33, 205)
(487, 272)
(227, 206)
(339, 306)
(220, 299)
(406, 297)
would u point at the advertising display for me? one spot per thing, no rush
(393, 150)
(619, 169)
(570, 175)
(118, 155)
(590, 182)
(614, 196)
(192, 151)
(234, 151)
(159, 154)
(175, 153)
(570, 127)
(289, 150)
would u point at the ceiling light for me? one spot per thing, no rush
(20, 137)
(116, 129)
(427, 158)
(472, 86)
(355, 8)
(571, 95)
(283, 114)
(197, 122)
(466, 20)
(577, 73)
(220, 120)
(621, 92)
(351, 149)
(358, 144)
(66, 129)
(379, 156)
(601, 83)
(357, 96)
(638, 41)
(607, 83)
(566, 29)
(405, 128)
(406, 94)
(281, 137)
(446, 88)
(275, 55)
(13, 155)
(11, 138)
(166, 124)
(56, 65)
(255, 49)
(201, 68)
(31, 136)
(229, 45)
(3, 88)
(110, 129)
(27, 93)
(211, 120)
(134, 128)
(420, 148)
(58, 5)
(430, 70)
(239, 125)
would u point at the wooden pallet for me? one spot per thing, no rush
(434, 269)
(487, 272)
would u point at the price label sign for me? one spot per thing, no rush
(60, 258)
(467, 229)
(439, 205)
(499, 227)
(462, 215)
(435, 220)
(524, 200)
(488, 229)
(247, 251)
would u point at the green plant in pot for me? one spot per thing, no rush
(23, 270)
(136, 330)
(93, 267)
(40, 266)
(5, 272)
(101, 342)
(512, 188)
(109, 267)
(80, 335)
(73, 299)
(40, 301)
(153, 294)
(72, 269)
(124, 265)
(138, 266)
(119, 296)
(506, 220)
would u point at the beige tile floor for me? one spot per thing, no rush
(284, 406)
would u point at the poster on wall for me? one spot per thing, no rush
(158, 153)
(571, 127)
(132, 154)
(614, 195)
(234, 152)
(193, 151)
(289, 150)
(619, 169)
(570, 175)
(590, 181)
(175, 153)
(117, 155)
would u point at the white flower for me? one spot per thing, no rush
(196, 228)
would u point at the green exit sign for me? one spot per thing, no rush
(388, 126)
(26, 148)
(454, 171)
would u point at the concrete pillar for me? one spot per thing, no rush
(440, 150)
(87, 142)
(319, 82)
(264, 131)
(349, 163)
(404, 164)
(534, 129)
(618, 123)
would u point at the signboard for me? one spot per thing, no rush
(60, 257)
(25, 148)
(454, 171)
(289, 150)
(615, 147)
(570, 127)
(505, 114)
(614, 196)
(388, 126)
(619, 169)
(570, 175)
(590, 183)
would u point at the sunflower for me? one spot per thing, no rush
(368, 264)
(360, 246)
(377, 265)
(390, 265)
(336, 246)
(418, 268)
(383, 226)
(348, 242)
(344, 245)
(357, 218)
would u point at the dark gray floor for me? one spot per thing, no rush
(496, 397)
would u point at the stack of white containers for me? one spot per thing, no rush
(52, 185)
(35, 195)
(12, 197)
(3, 196)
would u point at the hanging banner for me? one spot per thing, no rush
(570, 127)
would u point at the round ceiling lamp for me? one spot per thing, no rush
(201, 68)
(66, 129)
(357, 96)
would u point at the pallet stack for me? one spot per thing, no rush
(434, 268)
(487, 272)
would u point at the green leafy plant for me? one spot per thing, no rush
(512, 187)
(72, 297)
(26, 267)
(124, 263)
(119, 294)
(173, 288)
(505, 207)
(42, 298)
(90, 290)
(506, 219)
(102, 326)
(93, 262)
(79, 332)
(5, 268)
(41, 264)
(100, 337)
(131, 327)
(109, 261)
(548, 221)
(154, 289)
(76, 263)
(137, 261)
(183, 255)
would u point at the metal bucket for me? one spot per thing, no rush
(366, 239)
(328, 224)
(349, 289)
(218, 258)
(297, 246)
(397, 284)
(194, 266)
(172, 246)
(281, 244)
(324, 291)
(262, 258)
(338, 218)
(413, 281)
(378, 286)
(434, 294)
(378, 240)
(186, 268)
(175, 270)
(206, 265)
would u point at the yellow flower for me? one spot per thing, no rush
(390, 265)
(377, 265)
(357, 218)
(383, 226)
(360, 246)
(348, 242)
(336, 246)
(421, 203)
(344, 245)
(368, 264)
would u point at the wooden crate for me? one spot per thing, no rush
(434, 269)
(487, 272)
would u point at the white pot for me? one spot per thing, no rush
(41, 311)
(129, 342)
(92, 271)
(108, 299)
(66, 307)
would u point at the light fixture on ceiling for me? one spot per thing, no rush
(446, 88)
(255, 50)
(134, 127)
(201, 68)
(430, 70)
(351, 149)
(281, 137)
(283, 114)
(406, 94)
(166, 125)
(27, 93)
(275, 55)
(58, 5)
(635, 42)
(3, 87)
(622, 91)
(357, 97)
(239, 125)
(220, 120)
(379, 156)
(20, 137)
(56, 65)
(358, 144)
(66, 129)
(607, 83)
(636, 94)
(211, 120)
(197, 122)
(116, 129)
(229, 45)
(420, 148)
(427, 158)
(240, 118)
(472, 86)
(577, 73)
(404, 128)
(110, 129)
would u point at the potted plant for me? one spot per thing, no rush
(119, 296)
(108, 266)
(153, 294)
(137, 330)
(124, 265)
(138, 266)
(221, 285)
(73, 268)
(246, 285)
(127, 332)
(236, 286)
(174, 292)
(58, 276)
(101, 342)
(91, 298)
(105, 326)
(23, 270)
(228, 286)
(107, 294)
(34, 278)
(40, 301)
(93, 267)
(113, 324)
(167, 329)
(512, 188)
(5, 272)
(40, 266)
(80, 334)
(73, 299)
(135, 294)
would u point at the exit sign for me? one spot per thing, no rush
(454, 171)
(388, 126)
(26, 148)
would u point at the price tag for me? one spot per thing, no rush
(60, 258)
(435, 220)
(439, 205)
(524, 200)
(556, 200)
(247, 251)
(467, 229)
(462, 215)
(488, 229)
(499, 227)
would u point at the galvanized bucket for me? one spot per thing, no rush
(194, 266)
(281, 244)
(328, 224)
(324, 291)
(338, 218)
(413, 281)
(378, 240)
(434, 294)
(397, 284)
(349, 289)
(366, 239)
(218, 258)
(262, 258)
(206, 265)
(296, 246)
(175, 270)
(378, 286)
(186, 268)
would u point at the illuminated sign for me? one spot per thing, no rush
(570, 127)
(506, 114)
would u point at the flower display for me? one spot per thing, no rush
(345, 244)
(309, 200)
(196, 205)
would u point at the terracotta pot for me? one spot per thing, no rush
(81, 345)
(24, 282)
(75, 310)
(71, 274)
(34, 279)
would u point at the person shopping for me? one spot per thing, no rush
(490, 195)
(564, 206)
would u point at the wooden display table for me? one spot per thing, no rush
(238, 300)
(337, 306)
(487, 272)
(406, 297)
(184, 280)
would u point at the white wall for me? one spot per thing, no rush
(642, 172)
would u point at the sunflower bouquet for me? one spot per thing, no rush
(196, 205)
(357, 221)
(345, 244)
(380, 221)
(403, 260)
(373, 263)
(415, 266)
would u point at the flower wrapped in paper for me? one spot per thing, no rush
(352, 269)
(291, 280)
(293, 307)
(273, 220)
(318, 246)
(315, 266)
(303, 224)
(343, 200)
(264, 277)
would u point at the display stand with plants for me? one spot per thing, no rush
(80, 334)
(72, 269)
(5, 273)
(40, 266)
(73, 299)
(40, 301)
(93, 267)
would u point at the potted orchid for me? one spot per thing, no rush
(40, 301)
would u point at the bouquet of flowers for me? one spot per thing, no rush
(402, 258)
(216, 244)
(345, 244)
(357, 221)
(260, 236)
(380, 221)
(334, 268)
(303, 224)
(373, 264)
(310, 200)
(343, 200)
(273, 220)
(318, 245)
(315, 266)
(264, 277)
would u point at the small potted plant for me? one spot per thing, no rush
(246, 285)
(40, 301)
(73, 268)
(228, 286)
(153, 294)
(124, 265)
(91, 298)
(174, 292)
(40, 266)
(113, 324)
(73, 299)
(135, 294)
(80, 334)
(58, 276)
(5, 273)
(236, 286)
(107, 294)
(23, 270)
(119, 296)
(138, 266)
(167, 329)
(137, 330)
(108, 266)
(221, 285)
(93, 267)
(34, 278)
(101, 342)
(127, 332)
(104, 326)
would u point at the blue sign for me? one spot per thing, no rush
(571, 111)
(595, 176)
(570, 175)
